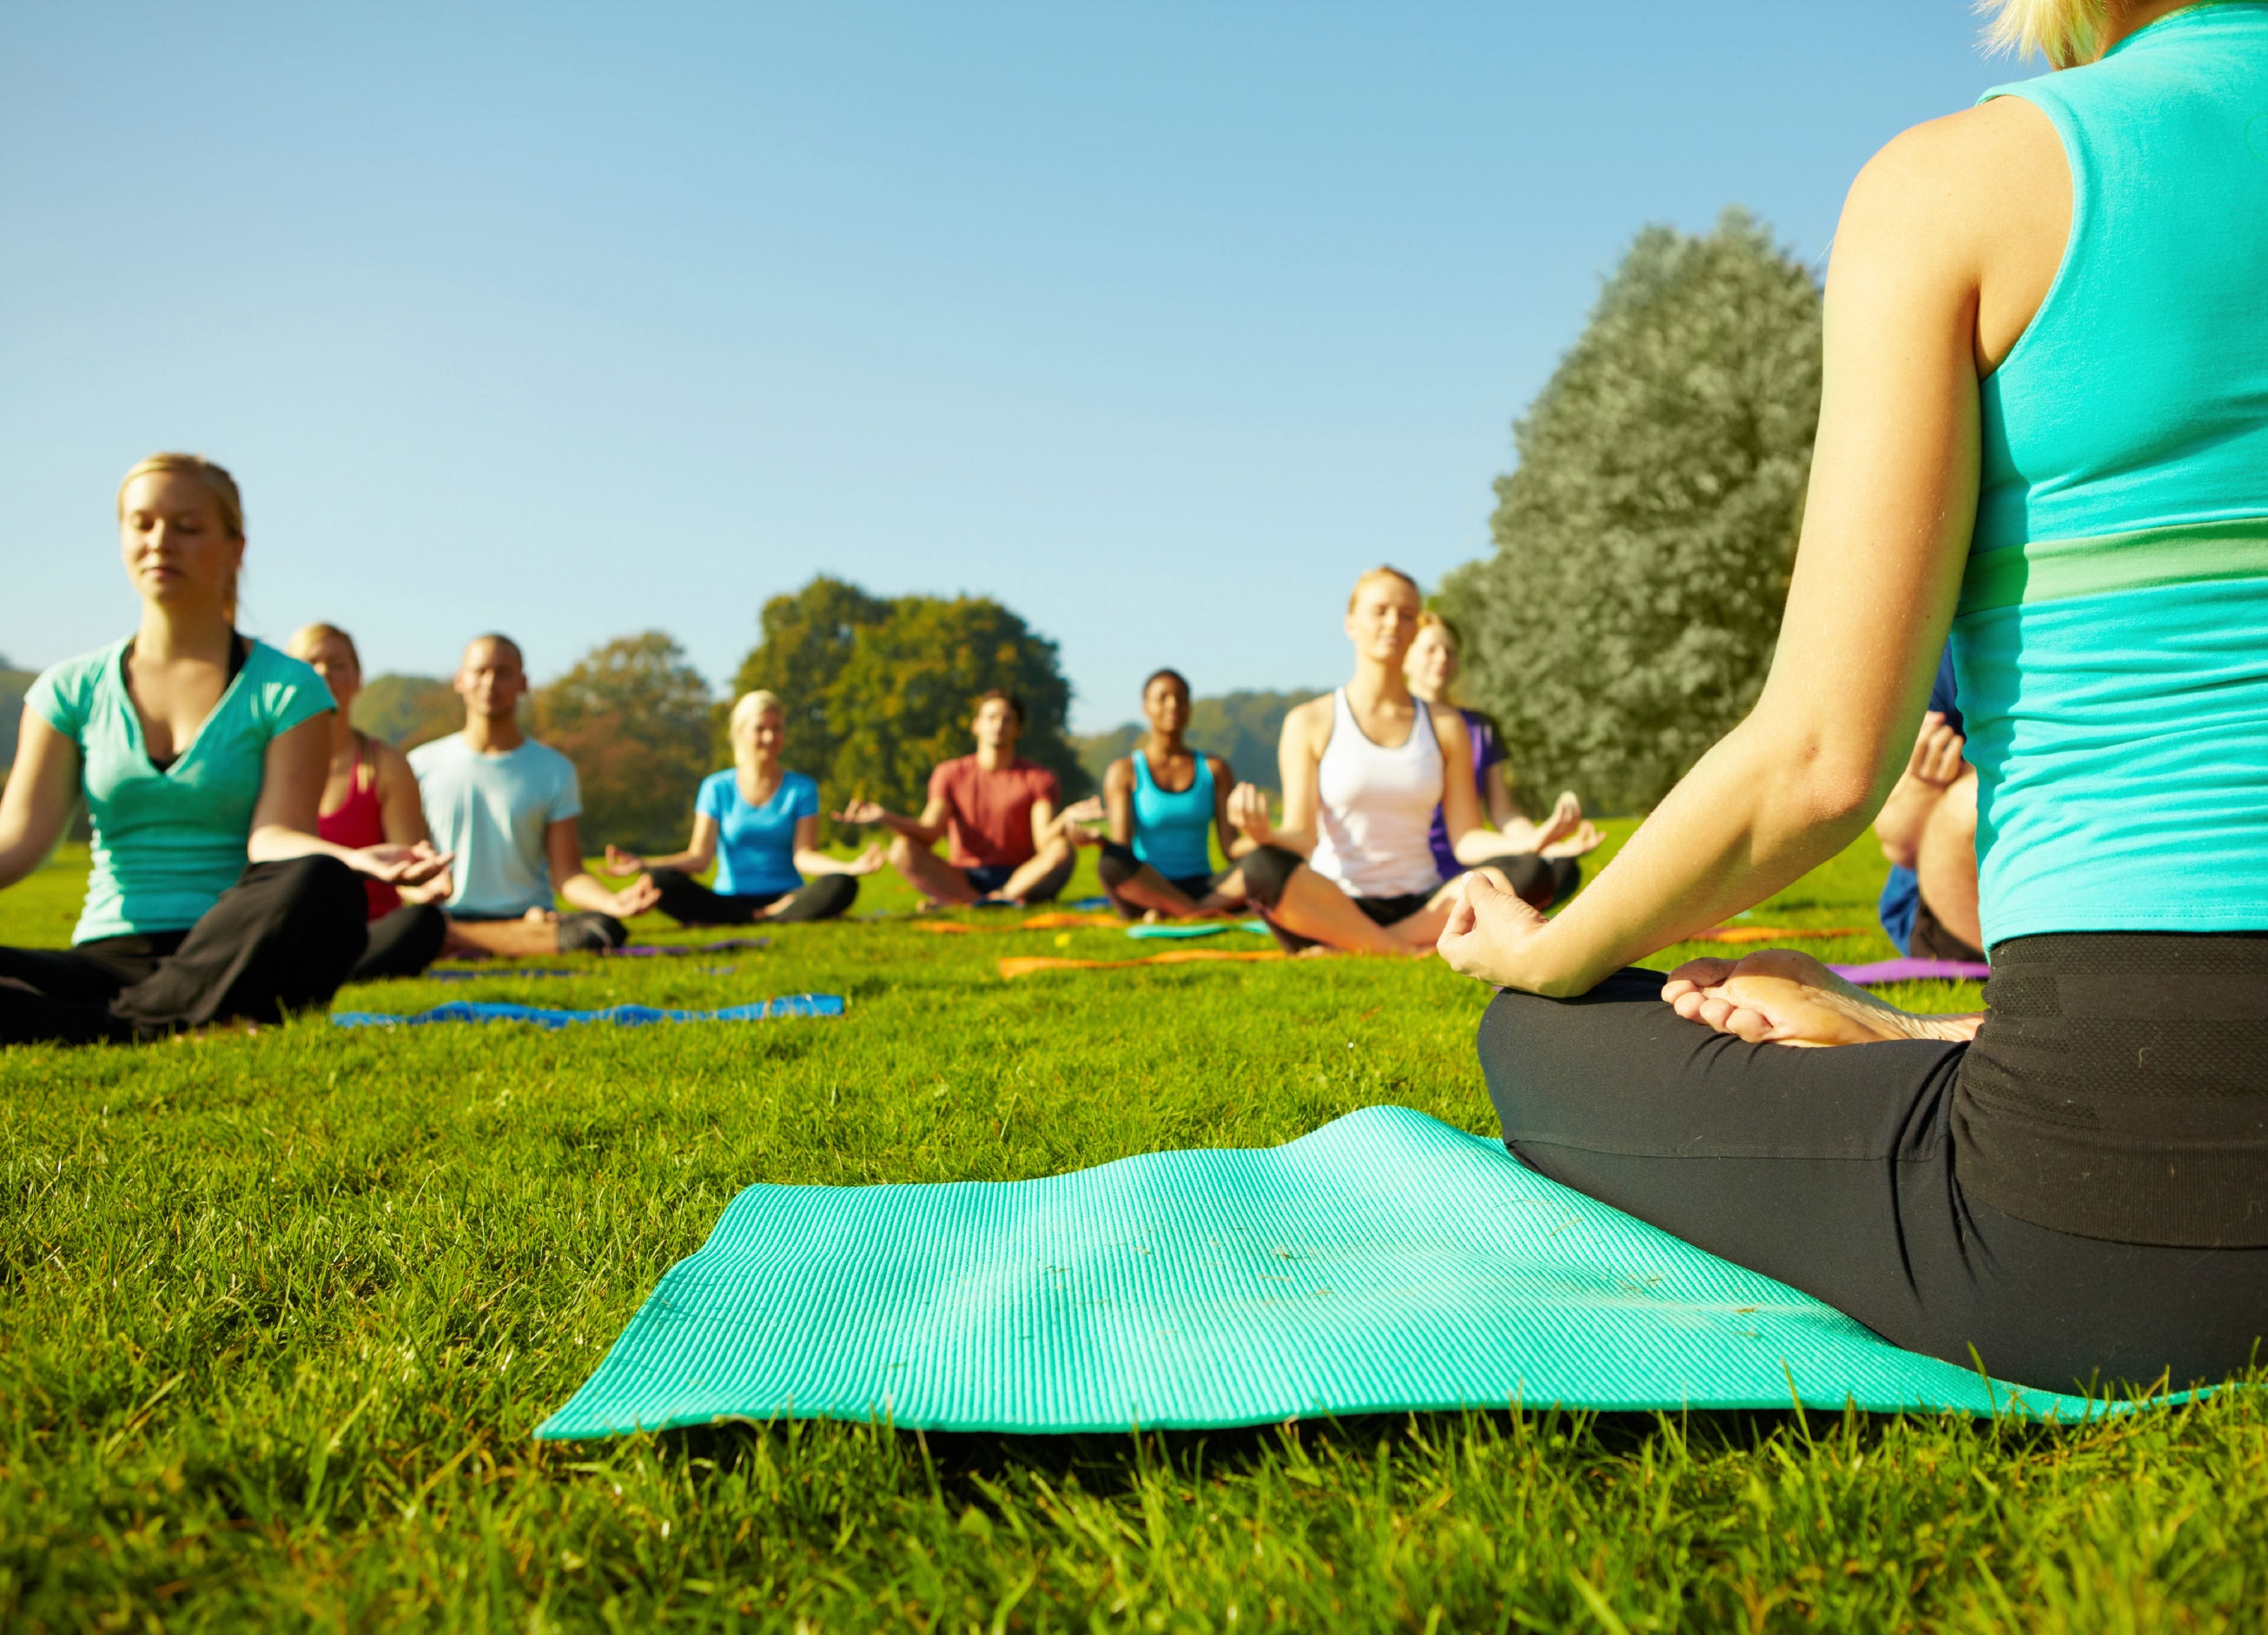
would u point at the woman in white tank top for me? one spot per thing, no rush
(1351, 864)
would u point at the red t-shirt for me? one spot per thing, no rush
(987, 815)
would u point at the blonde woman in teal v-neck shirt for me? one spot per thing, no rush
(2044, 430)
(201, 755)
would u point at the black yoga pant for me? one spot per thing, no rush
(1267, 872)
(689, 903)
(403, 943)
(281, 938)
(1838, 1171)
(1118, 864)
(987, 878)
(1539, 882)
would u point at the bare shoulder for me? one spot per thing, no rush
(1448, 724)
(1118, 774)
(1985, 168)
(1223, 774)
(1309, 723)
(389, 764)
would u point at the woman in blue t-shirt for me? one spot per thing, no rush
(201, 757)
(759, 825)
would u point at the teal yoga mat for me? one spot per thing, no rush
(1386, 1261)
(1200, 928)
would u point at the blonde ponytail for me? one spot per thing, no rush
(2065, 32)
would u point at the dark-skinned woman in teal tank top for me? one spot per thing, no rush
(2044, 432)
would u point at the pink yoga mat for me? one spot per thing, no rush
(1912, 970)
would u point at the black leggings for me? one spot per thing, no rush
(1838, 1171)
(281, 938)
(689, 903)
(403, 943)
(1268, 871)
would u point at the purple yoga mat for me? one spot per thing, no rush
(1912, 970)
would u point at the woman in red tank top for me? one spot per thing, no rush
(372, 796)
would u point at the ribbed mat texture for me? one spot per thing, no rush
(620, 1015)
(1386, 1261)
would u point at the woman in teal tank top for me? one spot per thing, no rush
(1163, 803)
(2044, 430)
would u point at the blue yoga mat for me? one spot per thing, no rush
(621, 1015)
(1385, 1263)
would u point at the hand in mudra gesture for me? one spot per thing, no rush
(860, 814)
(1248, 809)
(620, 862)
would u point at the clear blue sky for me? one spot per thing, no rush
(1158, 321)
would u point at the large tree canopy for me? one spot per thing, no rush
(1643, 544)
(635, 719)
(879, 691)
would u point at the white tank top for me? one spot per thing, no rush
(1375, 815)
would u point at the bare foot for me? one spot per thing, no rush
(1779, 995)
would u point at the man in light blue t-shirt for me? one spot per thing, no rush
(505, 805)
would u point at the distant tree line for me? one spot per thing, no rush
(877, 690)
(1624, 622)
(1241, 727)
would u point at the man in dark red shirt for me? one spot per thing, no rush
(1008, 842)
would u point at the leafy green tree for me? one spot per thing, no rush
(1628, 616)
(805, 641)
(879, 691)
(406, 710)
(635, 717)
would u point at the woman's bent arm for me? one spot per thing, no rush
(1886, 529)
(37, 801)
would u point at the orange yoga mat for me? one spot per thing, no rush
(1774, 934)
(1037, 921)
(1025, 965)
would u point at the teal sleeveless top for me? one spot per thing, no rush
(1170, 831)
(2111, 639)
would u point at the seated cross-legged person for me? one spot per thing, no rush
(200, 754)
(1349, 864)
(371, 799)
(1008, 842)
(1431, 669)
(1164, 803)
(505, 807)
(2070, 1188)
(1928, 831)
(759, 823)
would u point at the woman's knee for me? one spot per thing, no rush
(1268, 873)
(1117, 866)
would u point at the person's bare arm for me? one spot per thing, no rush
(402, 819)
(700, 851)
(563, 850)
(1233, 843)
(925, 830)
(1933, 767)
(293, 770)
(1886, 529)
(37, 801)
(810, 860)
(1299, 758)
(1044, 823)
(1118, 799)
(1460, 803)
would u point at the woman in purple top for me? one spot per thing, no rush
(1430, 668)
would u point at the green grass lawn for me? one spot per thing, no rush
(278, 1313)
